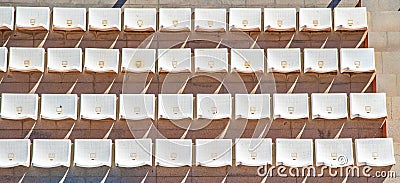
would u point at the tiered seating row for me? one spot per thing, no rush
(179, 19)
(48, 153)
(352, 60)
(181, 106)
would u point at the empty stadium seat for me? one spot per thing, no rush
(173, 152)
(133, 152)
(19, 106)
(290, 106)
(245, 19)
(50, 153)
(175, 106)
(350, 19)
(283, 60)
(210, 20)
(320, 60)
(214, 106)
(98, 106)
(213, 152)
(253, 151)
(357, 60)
(92, 152)
(32, 18)
(140, 19)
(104, 19)
(368, 105)
(136, 106)
(69, 19)
(252, 106)
(6, 18)
(280, 19)
(64, 59)
(247, 60)
(334, 152)
(3, 58)
(175, 19)
(26, 59)
(101, 60)
(375, 152)
(14, 152)
(315, 19)
(329, 105)
(211, 60)
(138, 60)
(294, 152)
(59, 106)
(174, 60)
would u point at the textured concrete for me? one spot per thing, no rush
(379, 22)
(385, 26)
(381, 5)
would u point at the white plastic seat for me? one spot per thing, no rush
(334, 152)
(139, 19)
(245, 19)
(104, 19)
(329, 105)
(32, 18)
(59, 106)
(357, 60)
(213, 152)
(133, 152)
(211, 60)
(6, 18)
(252, 106)
(175, 106)
(64, 59)
(69, 19)
(350, 19)
(98, 106)
(175, 19)
(173, 152)
(92, 152)
(50, 153)
(375, 152)
(214, 106)
(253, 152)
(280, 19)
(26, 59)
(14, 152)
(210, 20)
(320, 60)
(368, 105)
(247, 60)
(136, 106)
(101, 60)
(19, 106)
(138, 60)
(283, 60)
(174, 60)
(315, 19)
(290, 106)
(3, 58)
(294, 152)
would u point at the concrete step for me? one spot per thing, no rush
(381, 5)
(384, 21)
(384, 41)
